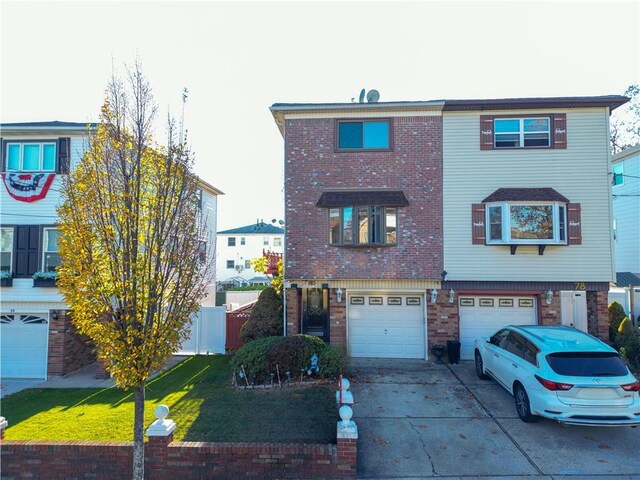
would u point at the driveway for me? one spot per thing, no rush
(420, 420)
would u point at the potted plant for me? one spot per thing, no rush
(45, 279)
(6, 278)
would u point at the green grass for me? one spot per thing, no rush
(201, 401)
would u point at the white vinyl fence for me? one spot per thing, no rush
(208, 333)
(629, 298)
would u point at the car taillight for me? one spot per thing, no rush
(632, 387)
(549, 385)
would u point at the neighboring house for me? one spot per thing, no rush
(238, 246)
(625, 180)
(38, 339)
(413, 223)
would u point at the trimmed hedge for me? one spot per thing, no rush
(616, 315)
(260, 357)
(266, 317)
(628, 342)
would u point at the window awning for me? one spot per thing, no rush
(525, 195)
(345, 198)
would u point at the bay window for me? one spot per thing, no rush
(526, 223)
(363, 225)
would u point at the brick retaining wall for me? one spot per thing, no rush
(183, 460)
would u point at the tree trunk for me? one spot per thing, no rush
(138, 433)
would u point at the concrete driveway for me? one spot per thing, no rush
(420, 420)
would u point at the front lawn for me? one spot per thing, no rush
(201, 401)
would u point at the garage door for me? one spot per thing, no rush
(23, 345)
(386, 325)
(482, 316)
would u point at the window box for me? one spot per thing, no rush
(45, 279)
(6, 282)
(44, 282)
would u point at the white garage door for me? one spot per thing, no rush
(386, 325)
(482, 316)
(23, 345)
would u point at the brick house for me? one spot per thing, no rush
(394, 242)
(38, 339)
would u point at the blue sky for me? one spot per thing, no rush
(237, 58)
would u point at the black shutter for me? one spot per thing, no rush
(27, 244)
(64, 147)
(3, 160)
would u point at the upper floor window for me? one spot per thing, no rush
(522, 132)
(498, 132)
(6, 249)
(247, 264)
(50, 255)
(30, 157)
(363, 225)
(618, 174)
(243, 240)
(265, 241)
(277, 241)
(231, 264)
(364, 135)
(45, 155)
(231, 241)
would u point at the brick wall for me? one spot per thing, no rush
(338, 320)
(414, 166)
(293, 311)
(68, 350)
(550, 313)
(177, 460)
(598, 314)
(442, 319)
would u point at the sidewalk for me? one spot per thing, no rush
(82, 378)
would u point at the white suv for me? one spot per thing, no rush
(560, 373)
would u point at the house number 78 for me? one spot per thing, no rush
(581, 286)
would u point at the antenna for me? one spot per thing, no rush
(361, 98)
(373, 96)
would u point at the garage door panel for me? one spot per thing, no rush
(386, 331)
(23, 346)
(483, 321)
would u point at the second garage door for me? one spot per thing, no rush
(386, 325)
(482, 316)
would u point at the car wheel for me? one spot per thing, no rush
(522, 405)
(480, 367)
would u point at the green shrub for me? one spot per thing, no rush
(628, 342)
(616, 315)
(294, 353)
(265, 319)
(331, 362)
(253, 357)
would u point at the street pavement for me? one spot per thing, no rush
(418, 420)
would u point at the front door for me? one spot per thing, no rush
(315, 312)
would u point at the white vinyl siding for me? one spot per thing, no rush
(626, 212)
(578, 172)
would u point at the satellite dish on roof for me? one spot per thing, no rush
(373, 96)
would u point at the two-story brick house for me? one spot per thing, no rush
(37, 337)
(412, 223)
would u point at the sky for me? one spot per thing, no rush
(238, 58)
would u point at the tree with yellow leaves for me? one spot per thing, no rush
(132, 240)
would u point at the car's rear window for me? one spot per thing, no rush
(587, 364)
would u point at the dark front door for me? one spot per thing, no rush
(315, 312)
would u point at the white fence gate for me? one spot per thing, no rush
(573, 308)
(208, 333)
